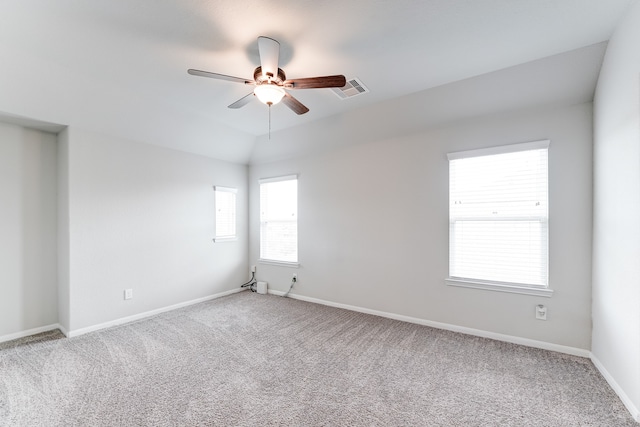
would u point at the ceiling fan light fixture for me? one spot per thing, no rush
(269, 93)
(270, 85)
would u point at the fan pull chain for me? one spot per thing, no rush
(269, 121)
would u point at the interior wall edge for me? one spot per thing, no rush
(29, 332)
(543, 345)
(626, 400)
(128, 319)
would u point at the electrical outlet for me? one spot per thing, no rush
(295, 278)
(541, 312)
(128, 293)
(253, 268)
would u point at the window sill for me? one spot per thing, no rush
(224, 239)
(279, 263)
(514, 289)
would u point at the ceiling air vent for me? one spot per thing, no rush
(354, 87)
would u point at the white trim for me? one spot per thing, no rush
(277, 178)
(628, 403)
(542, 219)
(446, 326)
(29, 332)
(227, 189)
(279, 263)
(501, 149)
(224, 239)
(511, 288)
(123, 320)
(218, 189)
(63, 330)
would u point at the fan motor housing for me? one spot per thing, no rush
(261, 78)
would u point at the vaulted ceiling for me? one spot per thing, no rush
(120, 67)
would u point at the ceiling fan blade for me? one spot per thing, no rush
(269, 55)
(219, 76)
(294, 104)
(242, 101)
(316, 82)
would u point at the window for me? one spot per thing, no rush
(279, 220)
(225, 205)
(498, 218)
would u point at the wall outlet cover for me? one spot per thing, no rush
(541, 312)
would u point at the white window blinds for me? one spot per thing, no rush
(498, 215)
(225, 206)
(279, 219)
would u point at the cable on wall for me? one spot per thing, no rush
(293, 281)
(251, 284)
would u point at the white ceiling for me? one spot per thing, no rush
(120, 67)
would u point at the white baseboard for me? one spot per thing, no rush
(454, 328)
(628, 403)
(63, 330)
(29, 332)
(631, 407)
(123, 320)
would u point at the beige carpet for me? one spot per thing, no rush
(257, 360)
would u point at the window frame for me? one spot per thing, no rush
(261, 260)
(228, 237)
(494, 285)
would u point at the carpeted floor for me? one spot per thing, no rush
(258, 360)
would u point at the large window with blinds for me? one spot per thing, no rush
(279, 220)
(225, 209)
(498, 217)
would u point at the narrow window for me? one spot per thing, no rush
(225, 207)
(498, 217)
(279, 220)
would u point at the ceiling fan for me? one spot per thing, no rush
(270, 81)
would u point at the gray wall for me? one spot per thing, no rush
(616, 255)
(142, 217)
(349, 255)
(85, 216)
(28, 227)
